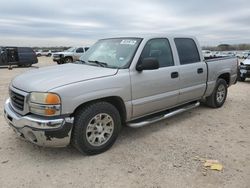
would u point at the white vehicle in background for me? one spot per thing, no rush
(47, 53)
(231, 54)
(70, 55)
(207, 54)
(242, 55)
(216, 54)
(244, 69)
(219, 54)
(225, 54)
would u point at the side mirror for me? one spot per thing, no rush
(148, 64)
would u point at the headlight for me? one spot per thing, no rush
(46, 104)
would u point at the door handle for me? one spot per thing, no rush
(200, 70)
(174, 75)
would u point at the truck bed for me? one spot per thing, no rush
(220, 66)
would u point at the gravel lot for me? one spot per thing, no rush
(160, 155)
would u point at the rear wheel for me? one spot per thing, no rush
(219, 95)
(96, 128)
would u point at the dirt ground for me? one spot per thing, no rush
(164, 154)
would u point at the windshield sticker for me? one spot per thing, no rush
(128, 42)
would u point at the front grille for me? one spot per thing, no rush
(247, 67)
(17, 100)
(57, 55)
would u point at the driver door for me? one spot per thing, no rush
(155, 90)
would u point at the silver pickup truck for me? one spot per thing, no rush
(70, 55)
(131, 81)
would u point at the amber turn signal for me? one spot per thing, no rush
(50, 112)
(52, 99)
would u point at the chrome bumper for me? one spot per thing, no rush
(40, 130)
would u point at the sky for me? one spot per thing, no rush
(81, 22)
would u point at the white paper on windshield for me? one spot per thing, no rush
(128, 42)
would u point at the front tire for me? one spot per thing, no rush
(219, 95)
(242, 79)
(96, 128)
(68, 60)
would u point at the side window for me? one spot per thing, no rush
(79, 50)
(25, 50)
(187, 51)
(86, 49)
(159, 49)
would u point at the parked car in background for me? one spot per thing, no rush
(130, 81)
(215, 54)
(242, 55)
(70, 55)
(225, 54)
(244, 69)
(230, 53)
(47, 53)
(207, 53)
(21, 56)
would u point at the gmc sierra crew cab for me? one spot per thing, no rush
(131, 81)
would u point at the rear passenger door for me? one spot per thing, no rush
(155, 90)
(192, 69)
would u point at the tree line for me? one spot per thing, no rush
(227, 47)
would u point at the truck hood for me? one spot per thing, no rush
(64, 53)
(246, 62)
(45, 79)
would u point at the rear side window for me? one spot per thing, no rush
(25, 50)
(159, 49)
(187, 51)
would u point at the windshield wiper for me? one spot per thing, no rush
(102, 64)
(80, 62)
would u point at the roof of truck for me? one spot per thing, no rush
(148, 36)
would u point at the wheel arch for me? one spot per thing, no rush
(226, 77)
(68, 56)
(114, 100)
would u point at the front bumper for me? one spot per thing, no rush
(244, 73)
(41, 131)
(57, 58)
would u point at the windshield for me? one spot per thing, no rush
(113, 53)
(70, 49)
